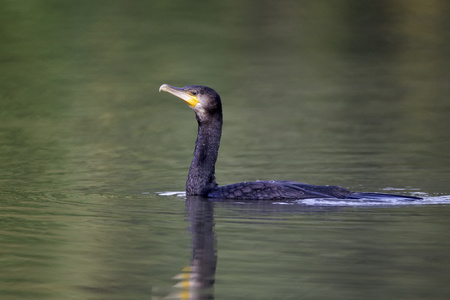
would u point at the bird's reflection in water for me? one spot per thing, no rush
(197, 280)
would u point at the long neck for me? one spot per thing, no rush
(201, 178)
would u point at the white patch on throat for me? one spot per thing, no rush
(200, 111)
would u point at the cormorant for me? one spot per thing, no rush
(201, 180)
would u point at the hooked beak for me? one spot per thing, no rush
(181, 93)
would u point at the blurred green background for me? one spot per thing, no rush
(308, 87)
(350, 92)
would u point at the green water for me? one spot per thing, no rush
(347, 93)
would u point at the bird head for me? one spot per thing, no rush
(203, 100)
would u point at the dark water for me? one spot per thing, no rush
(347, 93)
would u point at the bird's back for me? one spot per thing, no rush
(264, 190)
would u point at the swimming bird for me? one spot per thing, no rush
(201, 180)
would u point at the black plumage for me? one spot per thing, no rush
(201, 181)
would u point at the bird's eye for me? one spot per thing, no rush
(194, 93)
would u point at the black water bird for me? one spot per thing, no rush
(201, 180)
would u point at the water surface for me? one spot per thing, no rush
(340, 93)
